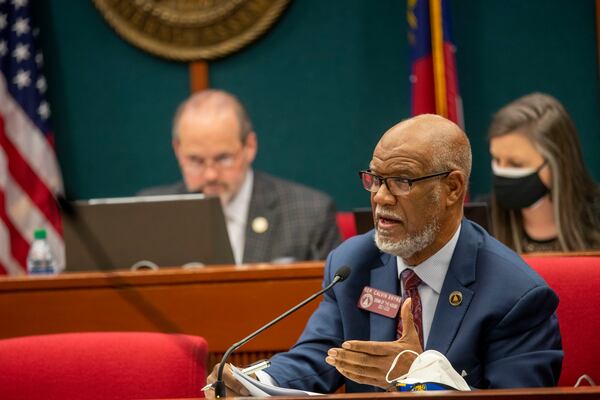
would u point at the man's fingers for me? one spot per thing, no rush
(409, 331)
(409, 334)
(234, 387)
(354, 364)
(232, 383)
(348, 358)
(366, 365)
(359, 370)
(367, 347)
(213, 375)
(365, 380)
(367, 369)
(371, 366)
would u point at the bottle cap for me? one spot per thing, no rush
(39, 234)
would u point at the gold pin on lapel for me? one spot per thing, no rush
(455, 298)
(260, 224)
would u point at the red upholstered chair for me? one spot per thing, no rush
(102, 365)
(576, 280)
(345, 223)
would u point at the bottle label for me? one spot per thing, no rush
(41, 268)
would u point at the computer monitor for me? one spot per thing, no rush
(363, 218)
(478, 212)
(121, 233)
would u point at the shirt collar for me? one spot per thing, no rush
(433, 270)
(237, 209)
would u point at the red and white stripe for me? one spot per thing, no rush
(29, 179)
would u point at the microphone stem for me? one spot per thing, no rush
(220, 390)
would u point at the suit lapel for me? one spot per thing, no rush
(263, 203)
(461, 273)
(384, 277)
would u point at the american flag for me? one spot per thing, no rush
(29, 172)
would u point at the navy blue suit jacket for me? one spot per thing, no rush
(504, 333)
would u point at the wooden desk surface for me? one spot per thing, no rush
(222, 304)
(559, 393)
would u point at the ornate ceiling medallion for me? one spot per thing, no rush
(189, 30)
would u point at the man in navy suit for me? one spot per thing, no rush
(479, 304)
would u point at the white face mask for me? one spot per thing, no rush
(429, 366)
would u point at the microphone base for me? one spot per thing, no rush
(220, 389)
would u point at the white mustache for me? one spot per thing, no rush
(387, 214)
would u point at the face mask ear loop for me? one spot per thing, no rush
(387, 376)
(542, 166)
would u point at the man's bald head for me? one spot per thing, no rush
(426, 161)
(439, 143)
(212, 103)
(214, 144)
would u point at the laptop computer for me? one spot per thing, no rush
(146, 231)
(478, 212)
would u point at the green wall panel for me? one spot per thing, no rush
(510, 48)
(321, 87)
(111, 103)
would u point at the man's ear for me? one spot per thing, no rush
(251, 147)
(456, 187)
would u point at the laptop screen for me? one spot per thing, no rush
(118, 233)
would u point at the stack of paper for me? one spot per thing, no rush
(259, 389)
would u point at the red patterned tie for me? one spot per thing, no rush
(410, 283)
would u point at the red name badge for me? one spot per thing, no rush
(380, 302)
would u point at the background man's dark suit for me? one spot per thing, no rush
(301, 220)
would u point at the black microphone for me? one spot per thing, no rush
(220, 391)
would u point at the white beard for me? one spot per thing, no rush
(406, 248)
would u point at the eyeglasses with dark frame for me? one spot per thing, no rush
(396, 185)
(221, 162)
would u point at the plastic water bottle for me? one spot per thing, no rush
(39, 259)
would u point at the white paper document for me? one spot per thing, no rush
(259, 389)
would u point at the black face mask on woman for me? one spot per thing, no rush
(515, 192)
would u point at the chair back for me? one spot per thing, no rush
(576, 280)
(346, 224)
(102, 365)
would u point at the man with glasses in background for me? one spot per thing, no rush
(454, 288)
(268, 219)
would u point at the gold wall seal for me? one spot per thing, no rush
(189, 30)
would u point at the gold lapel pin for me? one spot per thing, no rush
(260, 224)
(455, 298)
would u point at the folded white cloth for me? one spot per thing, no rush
(429, 366)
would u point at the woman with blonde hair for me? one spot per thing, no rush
(543, 197)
